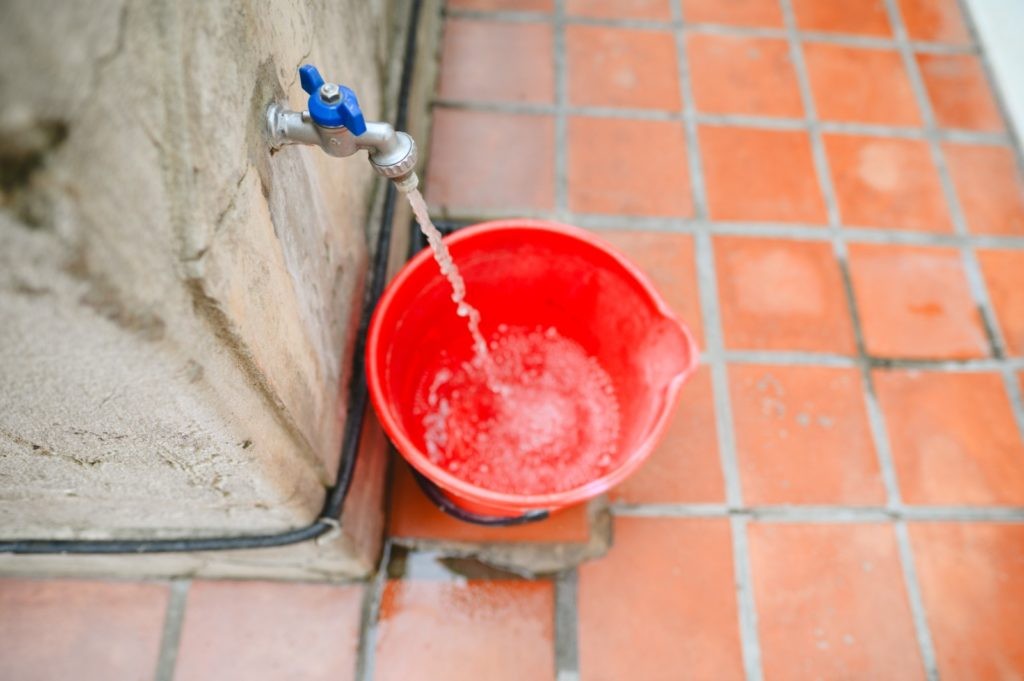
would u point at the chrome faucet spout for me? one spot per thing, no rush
(334, 122)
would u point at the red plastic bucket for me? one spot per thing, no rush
(529, 273)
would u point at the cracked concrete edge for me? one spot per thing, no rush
(528, 559)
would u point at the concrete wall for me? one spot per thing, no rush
(177, 304)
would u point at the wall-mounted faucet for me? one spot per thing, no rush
(335, 123)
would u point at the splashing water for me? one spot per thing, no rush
(449, 270)
(531, 413)
(553, 426)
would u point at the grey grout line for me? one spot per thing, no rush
(567, 664)
(814, 129)
(825, 514)
(366, 657)
(750, 644)
(708, 291)
(766, 230)
(1013, 391)
(170, 640)
(561, 117)
(690, 116)
(788, 358)
(924, 636)
(689, 111)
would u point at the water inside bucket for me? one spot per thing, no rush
(531, 413)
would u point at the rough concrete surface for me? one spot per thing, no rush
(177, 304)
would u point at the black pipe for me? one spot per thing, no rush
(330, 515)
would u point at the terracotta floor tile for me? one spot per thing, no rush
(802, 436)
(934, 20)
(466, 630)
(607, 175)
(989, 186)
(661, 604)
(684, 468)
(758, 13)
(859, 85)
(959, 92)
(914, 302)
(86, 631)
(780, 294)
(831, 603)
(503, 5)
(621, 67)
(1004, 279)
(746, 181)
(652, 10)
(972, 584)
(269, 630)
(865, 17)
(741, 75)
(414, 517)
(475, 62)
(953, 437)
(887, 182)
(464, 172)
(668, 259)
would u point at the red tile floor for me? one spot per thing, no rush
(827, 193)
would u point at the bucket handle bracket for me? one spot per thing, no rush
(439, 499)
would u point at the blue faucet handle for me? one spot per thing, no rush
(310, 78)
(338, 109)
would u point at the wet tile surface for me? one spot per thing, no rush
(652, 10)
(935, 21)
(959, 92)
(661, 604)
(780, 295)
(858, 85)
(503, 5)
(1004, 278)
(477, 630)
(463, 171)
(739, 75)
(744, 181)
(750, 13)
(887, 183)
(954, 439)
(866, 17)
(915, 302)
(972, 584)
(83, 630)
(821, 591)
(989, 186)
(802, 436)
(269, 630)
(475, 64)
(619, 67)
(606, 175)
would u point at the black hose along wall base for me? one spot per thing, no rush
(355, 416)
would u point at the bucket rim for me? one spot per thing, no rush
(460, 488)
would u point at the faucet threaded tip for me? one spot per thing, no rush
(407, 183)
